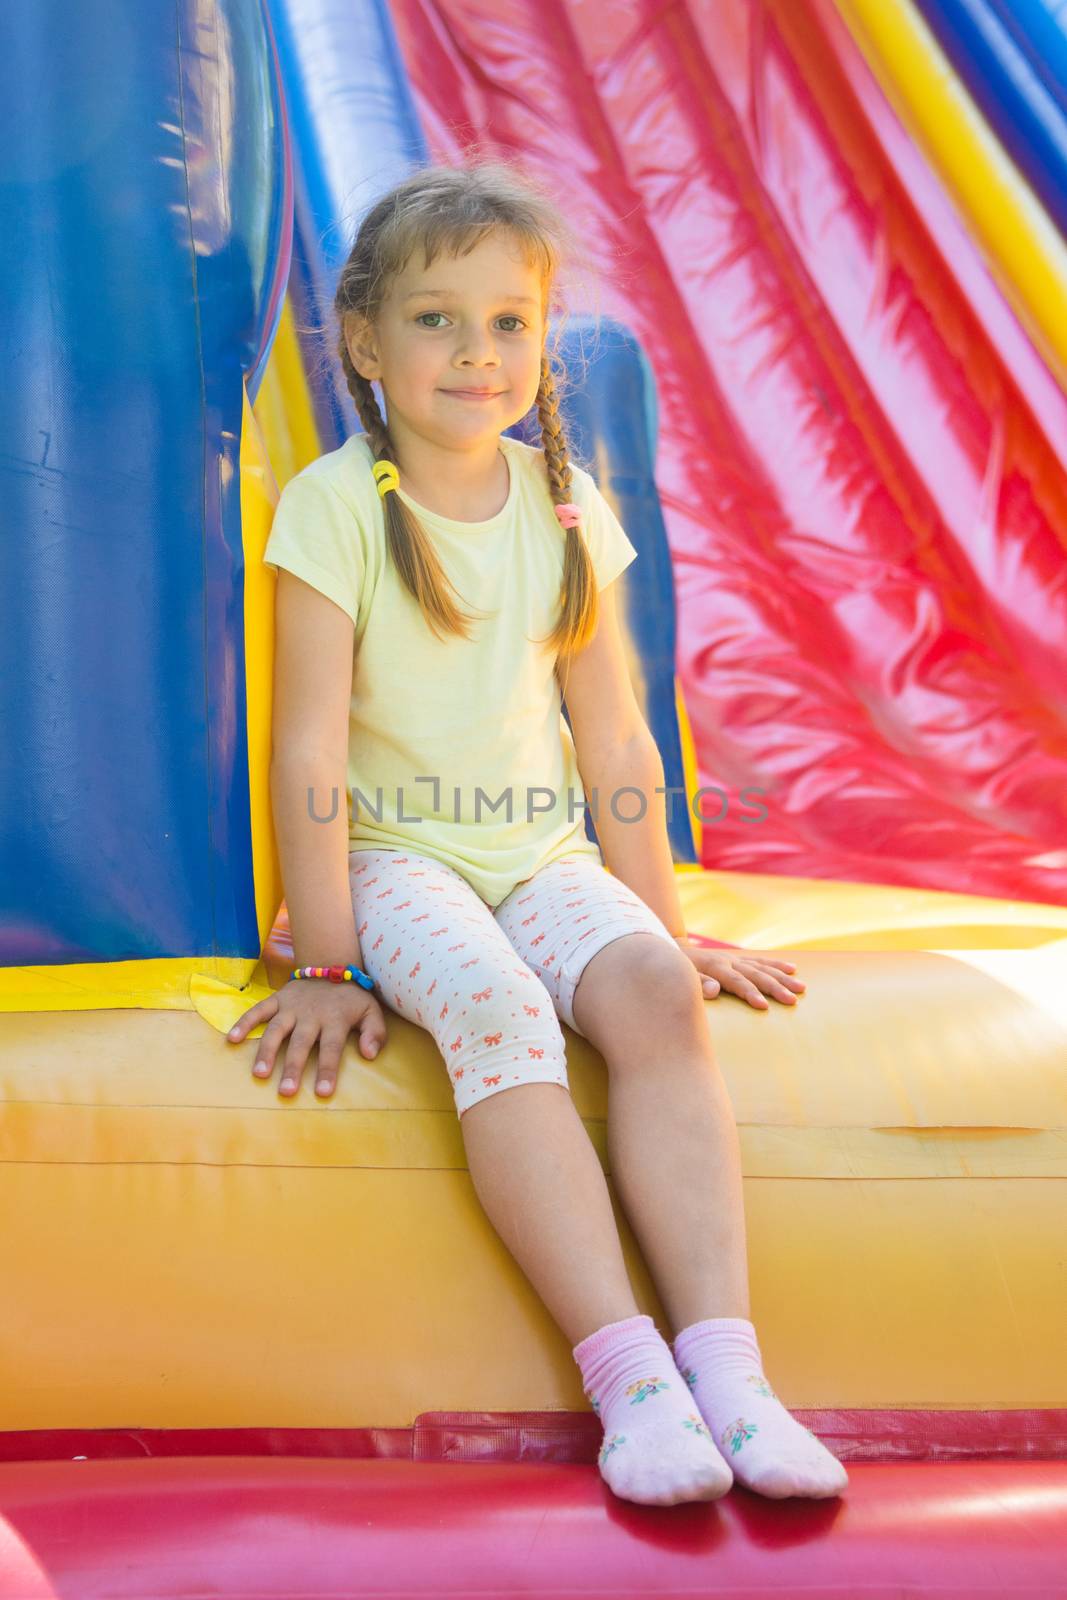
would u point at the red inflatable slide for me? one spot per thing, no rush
(861, 459)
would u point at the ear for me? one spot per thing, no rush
(362, 345)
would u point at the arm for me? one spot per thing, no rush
(616, 750)
(637, 851)
(312, 686)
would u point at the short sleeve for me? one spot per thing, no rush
(609, 547)
(316, 535)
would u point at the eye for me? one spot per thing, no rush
(508, 317)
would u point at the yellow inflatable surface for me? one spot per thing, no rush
(218, 1256)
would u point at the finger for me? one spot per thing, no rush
(781, 988)
(253, 1017)
(269, 1045)
(777, 972)
(331, 1048)
(296, 1055)
(775, 961)
(371, 1034)
(711, 987)
(771, 981)
(739, 985)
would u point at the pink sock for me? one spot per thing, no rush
(656, 1449)
(768, 1450)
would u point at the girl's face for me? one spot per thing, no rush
(469, 322)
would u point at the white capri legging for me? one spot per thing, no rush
(490, 986)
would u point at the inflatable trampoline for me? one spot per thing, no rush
(821, 375)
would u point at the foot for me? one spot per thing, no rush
(767, 1450)
(657, 1449)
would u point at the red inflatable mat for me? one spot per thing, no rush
(270, 1526)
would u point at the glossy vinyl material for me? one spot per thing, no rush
(243, 1262)
(868, 520)
(1013, 59)
(180, 1530)
(356, 132)
(145, 206)
(1020, 243)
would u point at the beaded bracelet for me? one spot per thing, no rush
(336, 975)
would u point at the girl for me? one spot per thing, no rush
(490, 931)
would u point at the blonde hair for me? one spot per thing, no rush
(445, 208)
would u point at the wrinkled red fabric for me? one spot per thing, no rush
(861, 468)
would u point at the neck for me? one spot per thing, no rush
(455, 481)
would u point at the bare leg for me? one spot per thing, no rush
(541, 1184)
(676, 1164)
(672, 1138)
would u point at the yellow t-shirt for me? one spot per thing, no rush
(457, 749)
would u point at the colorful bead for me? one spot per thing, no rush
(386, 476)
(336, 975)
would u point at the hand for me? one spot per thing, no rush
(310, 1009)
(744, 974)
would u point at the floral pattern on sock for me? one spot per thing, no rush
(609, 1445)
(756, 1379)
(697, 1425)
(737, 1434)
(644, 1387)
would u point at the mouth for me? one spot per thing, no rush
(474, 394)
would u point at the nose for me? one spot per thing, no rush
(476, 348)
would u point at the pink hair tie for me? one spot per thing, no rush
(569, 515)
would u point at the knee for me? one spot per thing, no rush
(660, 979)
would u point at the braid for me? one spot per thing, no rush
(578, 595)
(412, 552)
(369, 412)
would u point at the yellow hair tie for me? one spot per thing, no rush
(386, 476)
